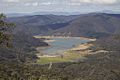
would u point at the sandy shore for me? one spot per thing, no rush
(49, 41)
(82, 46)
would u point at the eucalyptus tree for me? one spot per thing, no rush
(5, 31)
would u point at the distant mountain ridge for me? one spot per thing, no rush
(91, 25)
(39, 24)
(42, 13)
(20, 14)
(86, 25)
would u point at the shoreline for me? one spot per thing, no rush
(76, 48)
(47, 41)
(75, 53)
(50, 37)
(80, 47)
(70, 55)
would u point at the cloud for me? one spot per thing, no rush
(58, 5)
(73, 2)
(10, 0)
(95, 1)
(38, 3)
(35, 4)
(27, 4)
(46, 3)
(32, 4)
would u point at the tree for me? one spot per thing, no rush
(5, 31)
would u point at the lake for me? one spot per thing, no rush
(59, 45)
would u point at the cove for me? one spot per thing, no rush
(59, 45)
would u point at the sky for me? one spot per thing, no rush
(82, 6)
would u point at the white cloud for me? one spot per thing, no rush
(35, 4)
(105, 1)
(27, 4)
(10, 0)
(74, 4)
(46, 3)
(32, 4)
(95, 1)
(38, 3)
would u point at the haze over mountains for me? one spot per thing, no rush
(57, 13)
(42, 13)
(85, 25)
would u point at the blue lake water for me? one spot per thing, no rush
(62, 44)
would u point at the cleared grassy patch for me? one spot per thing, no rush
(45, 60)
(71, 55)
(68, 56)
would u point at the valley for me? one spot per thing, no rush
(58, 30)
(61, 47)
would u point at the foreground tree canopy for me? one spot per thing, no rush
(5, 31)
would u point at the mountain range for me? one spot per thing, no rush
(84, 25)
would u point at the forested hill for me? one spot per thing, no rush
(92, 25)
(40, 24)
(87, 25)
(17, 45)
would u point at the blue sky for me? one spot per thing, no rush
(82, 6)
